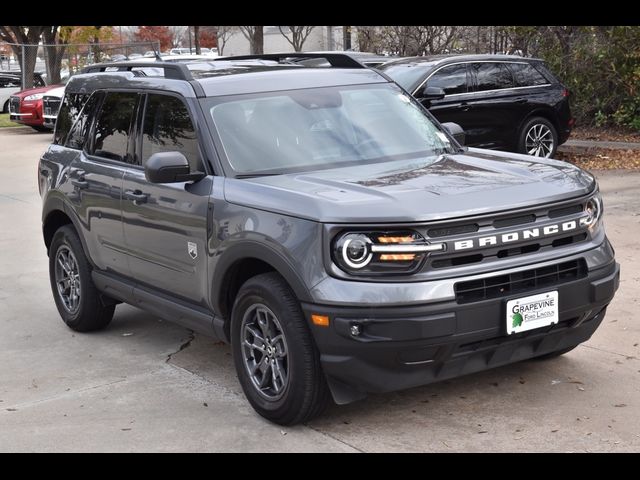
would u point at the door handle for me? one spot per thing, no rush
(136, 196)
(465, 107)
(81, 183)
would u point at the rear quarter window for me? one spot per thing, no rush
(67, 115)
(527, 76)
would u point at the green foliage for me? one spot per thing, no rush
(599, 65)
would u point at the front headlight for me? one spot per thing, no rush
(593, 210)
(35, 96)
(385, 252)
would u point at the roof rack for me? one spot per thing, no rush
(336, 60)
(176, 71)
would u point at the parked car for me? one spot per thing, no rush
(182, 51)
(51, 104)
(26, 107)
(11, 83)
(502, 102)
(322, 222)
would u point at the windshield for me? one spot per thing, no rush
(407, 75)
(319, 128)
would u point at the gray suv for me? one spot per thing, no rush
(321, 221)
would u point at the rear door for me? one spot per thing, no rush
(96, 174)
(165, 225)
(496, 106)
(454, 80)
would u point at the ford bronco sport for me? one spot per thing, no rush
(321, 221)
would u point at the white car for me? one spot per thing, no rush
(10, 83)
(51, 104)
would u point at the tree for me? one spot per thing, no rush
(299, 35)
(29, 37)
(177, 33)
(56, 39)
(158, 34)
(255, 35)
(223, 32)
(196, 39)
(208, 37)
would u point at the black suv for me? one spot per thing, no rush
(502, 102)
(318, 219)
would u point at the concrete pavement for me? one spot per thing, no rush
(132, 387)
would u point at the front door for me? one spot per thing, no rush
(165, 225)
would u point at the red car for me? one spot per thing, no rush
(25, 107)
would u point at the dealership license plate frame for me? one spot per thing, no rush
(545, 315)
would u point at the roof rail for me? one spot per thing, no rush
(176, 71)
(336, 60)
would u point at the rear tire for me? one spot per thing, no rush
(40, 128)
(79, 302)
(276, 359)
(538, 137)
(549, 356)
(5, 107)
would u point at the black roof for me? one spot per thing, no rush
(463, 57)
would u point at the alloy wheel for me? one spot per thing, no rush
(264, 351)
(67, 276)
(539, 141)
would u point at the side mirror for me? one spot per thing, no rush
(455, 131)
(170, 167)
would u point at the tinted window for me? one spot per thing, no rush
(78, 134)
(9, 82)
(111, 138)
(168, 128)
(452, 79)
(67, 115)
(37, 81)
(407, 75)
(526, 75)
(493, 76)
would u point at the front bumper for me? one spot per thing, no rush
(28, 113)
(404, 347)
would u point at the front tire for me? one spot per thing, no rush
(5, 107)
(538, 137)
(40, 128)
(78, 300)
(276, 359)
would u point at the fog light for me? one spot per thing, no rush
(355, 330)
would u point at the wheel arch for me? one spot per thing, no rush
(55, 214)
(246, 260)
(546, 113)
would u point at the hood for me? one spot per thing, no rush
(434, 188)
(57, 92)
(33, 91)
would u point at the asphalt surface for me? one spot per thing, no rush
(147, 385)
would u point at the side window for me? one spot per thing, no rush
(113, 126)
(527, 76)
(493, 76)
(78, 134)
(168, 127)
(67, 115)
(452, 79)
(10, 82)
(37, 81)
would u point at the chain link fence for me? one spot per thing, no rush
(53, 64)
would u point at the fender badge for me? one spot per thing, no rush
(192, 248)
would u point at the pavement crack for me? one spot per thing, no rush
(628, 357)
(184, 345)
(333, 437)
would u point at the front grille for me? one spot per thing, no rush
(51, 105)
(491, 228)
(14, 105)
(528, 280)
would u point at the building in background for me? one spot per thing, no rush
(321, 38)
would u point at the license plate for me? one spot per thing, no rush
(531, 312)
